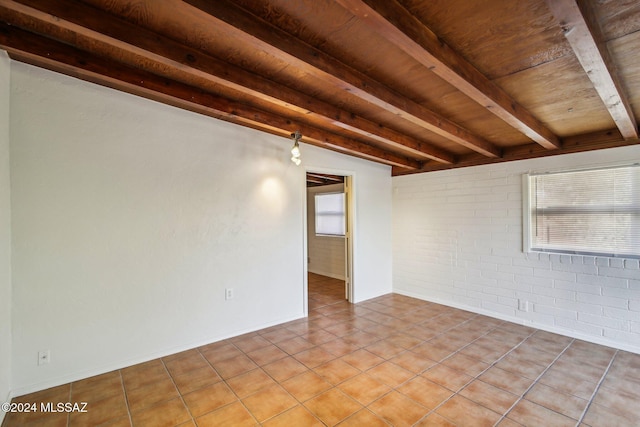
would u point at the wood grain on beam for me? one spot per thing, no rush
(575, 144)
(267, 38)
(97, 25)
(581, 29)
(46, 53)
(398, 26)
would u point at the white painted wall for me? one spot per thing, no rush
(5, 234)
(458, 241)
(130, 218)
(326, 253)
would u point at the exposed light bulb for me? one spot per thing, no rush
(295, 151)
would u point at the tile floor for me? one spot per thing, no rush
(392, 360)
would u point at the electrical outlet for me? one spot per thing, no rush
(524, 305)
(228, 293)
(44, 357)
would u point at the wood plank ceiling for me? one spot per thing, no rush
(420, 85)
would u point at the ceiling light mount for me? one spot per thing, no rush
(295, 150)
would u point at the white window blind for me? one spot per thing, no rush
(330, 214)
(585, 212)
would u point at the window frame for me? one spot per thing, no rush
(527, 215)
(343, 215)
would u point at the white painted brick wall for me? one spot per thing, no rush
(458, 241)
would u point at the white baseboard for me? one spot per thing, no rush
(556, 330)
(7, 399)
(331, 274)
(76, 376)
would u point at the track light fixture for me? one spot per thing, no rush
(295, 151)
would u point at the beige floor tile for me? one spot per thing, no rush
(100, 412)
(336, 371)
(318, 337)
(209, 399)
(277, 334)
(413, 362)
(364, 388)
(434, 420)
(97, 388)
(506, 380)
(362, 359)
(251, 343)
(491, 397)
(447, 377)
(314, 357)
(249, 383)
(196, 379)
(269, 402)
(530, 414)
(306, 385)
(332, 406)
(167, 414)
(295, 345)
(151, 394)
(425, 392)
(296, 416)
(398, 409)
(598, 415)
(267, 354)
(339, 347)
(565, 404)
(234, 414)
(222, 352)
(624, 402)
(390, 374)
(144, 374)
(233, 367)
(463, 411)
(568, 382)
(520, 367)
(283, 369)
(363, 417)
(187, 364)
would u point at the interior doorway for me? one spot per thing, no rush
(329, 229)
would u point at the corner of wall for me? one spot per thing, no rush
(5, 234)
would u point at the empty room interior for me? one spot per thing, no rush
(319, 212)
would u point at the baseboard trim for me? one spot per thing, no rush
(7, 399)
(333, 275)
(64, 379)
(556, 330)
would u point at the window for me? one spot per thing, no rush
(330, 214)
(593, 211)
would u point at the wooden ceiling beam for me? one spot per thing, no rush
(273, 41)
(325, 177)
(136, 41)
(575, 144)
(397, 25)
(41, 51)
(582, 30)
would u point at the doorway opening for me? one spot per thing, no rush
(329, 238)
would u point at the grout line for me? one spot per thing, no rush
(177, 389)
(535, 382)
(223, 380)
(491, 365)
(593, 395)
(126, 400)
